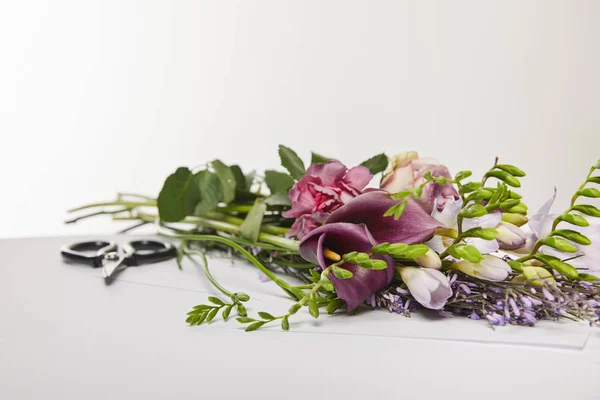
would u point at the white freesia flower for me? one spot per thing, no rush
(428, 286)
(540, 225)
(490, 268)
(448, 218)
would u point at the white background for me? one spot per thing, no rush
(104, 96)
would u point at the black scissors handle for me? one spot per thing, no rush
(148, 251)
(137, 252)
(83, 252)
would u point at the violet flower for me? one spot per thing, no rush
(414, 226)
(325, 188)
(343, 238)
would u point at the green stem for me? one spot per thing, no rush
(128, 204)
(206, 271)
(244, 209)
(485, 178)
(276, 230)
(212, 238)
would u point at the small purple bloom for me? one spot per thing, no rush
(547, 294)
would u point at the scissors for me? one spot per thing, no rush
(113, 258)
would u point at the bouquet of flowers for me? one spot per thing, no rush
(421, 240)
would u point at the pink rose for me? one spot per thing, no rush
(407, 173)
(325, 188)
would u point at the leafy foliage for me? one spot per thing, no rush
(291, 162)
(376, 163)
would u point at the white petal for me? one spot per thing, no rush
(490, 220)
(541, 217)
(448, 216)
(436, 244)
(484, 246)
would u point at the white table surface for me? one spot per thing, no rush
(64, 334)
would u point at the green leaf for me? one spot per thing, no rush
(291, 162)
(597, 166)
(285, 323)
(418, 191)
(589, 192)
(396, 210)
(241, 310)
(202, 307)
(242, 185)
(226, 312)
(466, 252)
(216, 300)
(573, 236)
(211, 314)
(462, 175)
(211, 191)
(376, 164)
(483, 233)
(266, 315)
(242, 296)
(473, 211)
(341, 273)
(587, 210)
(250, 228)
(278, 199)
(558, 244)
(227, 178)
(317, 158)
(335, 305)
(516, 266)
(401, 195)
(240, 178)
(594, 179)
(574, 219)
(504, 176)
(313, 309)
(511, 169)
(560, 266)
(255, 326)
(470, 187)
(245, 320)
(278, 182)
(400, 210)
(178, 196)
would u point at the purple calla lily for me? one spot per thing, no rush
(414, 226)
(343, 238)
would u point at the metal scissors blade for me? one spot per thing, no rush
(113, 262)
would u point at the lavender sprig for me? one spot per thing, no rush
(502, 303)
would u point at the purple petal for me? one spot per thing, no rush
(344, 238)
(414, 226)
(330, 172)
(358, 177)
